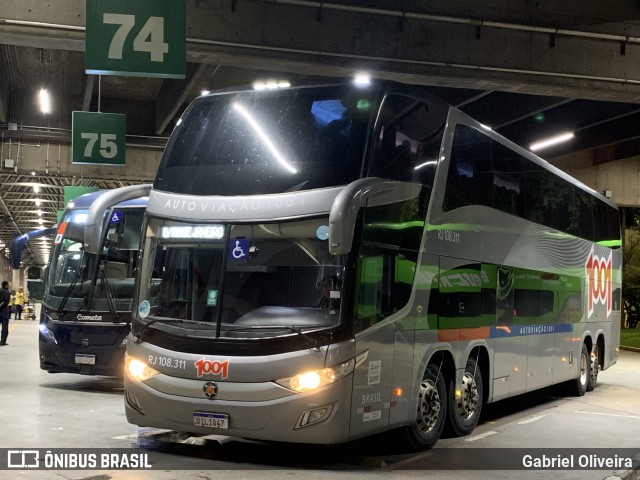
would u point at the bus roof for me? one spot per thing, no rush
(86, 200)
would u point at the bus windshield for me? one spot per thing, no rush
(65, 275)
(103, 284)
(248, 280)
(251, 143)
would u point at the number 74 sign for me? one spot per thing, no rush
(141, 38)
(98, 138)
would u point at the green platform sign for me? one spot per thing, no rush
(72, 191)
(98, 138)
(137, 38)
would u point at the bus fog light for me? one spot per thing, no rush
(138, 370)
(132, 400)
(310, 417)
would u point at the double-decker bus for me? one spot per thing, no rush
(86, 307)
(324, 263)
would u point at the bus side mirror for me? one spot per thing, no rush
(366, 192)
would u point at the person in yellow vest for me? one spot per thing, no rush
(18, 303)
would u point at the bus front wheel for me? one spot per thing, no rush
(424, 433)
(465, 404)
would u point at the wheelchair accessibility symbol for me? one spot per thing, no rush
(238, 249)
(115, 217)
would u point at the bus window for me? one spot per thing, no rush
(467, 294)
(408, 141)
(470, 178)
(391, 237)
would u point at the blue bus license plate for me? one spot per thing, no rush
(211, 420)
(85, 359)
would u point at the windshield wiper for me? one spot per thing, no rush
(108, 291)
(67, 294)
(146, 326)
(311, 342)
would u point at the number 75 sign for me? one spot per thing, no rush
(98, 138)
(137, 38)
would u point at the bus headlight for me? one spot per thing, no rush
(46, 333)
(138, 370)
(315, 379)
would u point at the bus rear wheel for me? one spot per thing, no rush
(425, 432)
(579, 385)
(465, 408)
(594, 368)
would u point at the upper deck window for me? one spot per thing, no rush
(408, 138)
(484, 172)
(251, 143)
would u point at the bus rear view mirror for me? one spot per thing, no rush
(366, 192)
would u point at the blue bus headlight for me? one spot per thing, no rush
(138, 370)
(315, 379)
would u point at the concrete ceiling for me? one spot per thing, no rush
(528, 69)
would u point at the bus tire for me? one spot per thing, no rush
(579, 385)
(425, 432)
(594, 368)
(464, 411)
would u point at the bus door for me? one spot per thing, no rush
(385, 271)
(376, 335)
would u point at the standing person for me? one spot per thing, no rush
(5, 313)
(19, 301)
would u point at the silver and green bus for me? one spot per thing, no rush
(323, 263)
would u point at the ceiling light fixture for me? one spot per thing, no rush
(362, 79)
(44, 100)
(548, 142)
(271, 85)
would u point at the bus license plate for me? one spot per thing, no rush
(211, 420)
(85, 359)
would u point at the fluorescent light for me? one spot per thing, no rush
(44, 100)
(205, 92)
(36, 189)
(430, 162)
(548, 142)
(263, 136)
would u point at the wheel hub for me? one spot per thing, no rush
(468, 400)
(428, 406)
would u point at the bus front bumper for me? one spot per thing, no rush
(279, 419)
